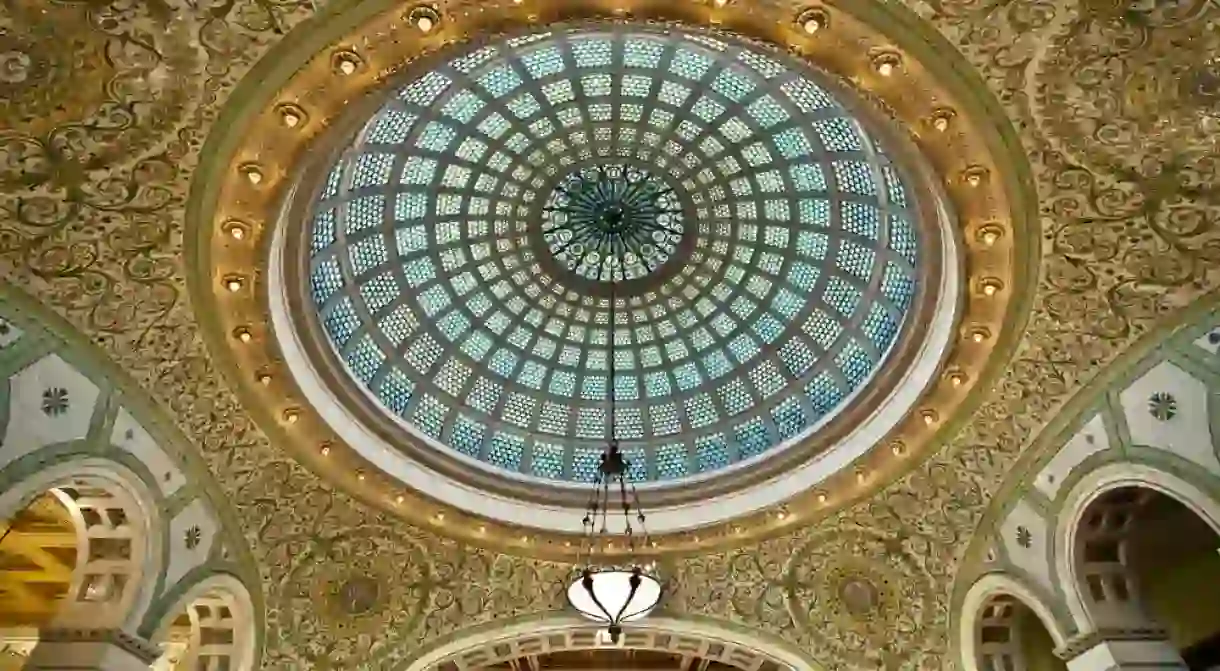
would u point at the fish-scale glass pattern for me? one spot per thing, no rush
(789, 253)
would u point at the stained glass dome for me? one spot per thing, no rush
(756, 239)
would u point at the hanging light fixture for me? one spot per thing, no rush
(615, 592)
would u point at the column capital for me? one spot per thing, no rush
(1085, 641)
(100, 641)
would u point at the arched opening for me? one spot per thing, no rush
(212, 630)
(1144, 559)
(608, 660)
(38, 555)
(1009, 636)
(74, 554)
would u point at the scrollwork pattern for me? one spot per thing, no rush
(101, 134)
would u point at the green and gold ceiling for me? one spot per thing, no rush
(125, 125)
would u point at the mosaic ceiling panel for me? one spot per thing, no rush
(748, 325)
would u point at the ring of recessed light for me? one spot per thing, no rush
(773, 269)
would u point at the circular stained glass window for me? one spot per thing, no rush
(463, 252)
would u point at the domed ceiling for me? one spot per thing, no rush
(464, 252)
(160, 160)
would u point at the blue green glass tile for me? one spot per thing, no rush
(842, 296)
(543, 62)
(856, 259)
(853, 361)
(591, 52)
(803, 276)
(642, 53)
(466, 436)
(766, 379)
(711, 453)
(500, 81)
(797, 357)
(454, 326)
(410, 205)
(434, 300)
(553, 418)
(814, 211)
(395, 391)
(585, 464)
(732, 85)
(325, 280)
(429, 416)
(363, 213)
(562, 383)
(824, 394)
(689, 64)
(862, 219)
(789, 418)
(823, 328)
(735, 397)
(717, 365)
(379, 291)
(744, 348)
(506, 451)
(701, 411)
(767, 112)
(323, 231)
(341, 321)
(546, 461)
(672, 461)
(902, 237)
(628, 424)
(503, 362)
(807, 96)
(519, 410)
(838, 134)
(484, 395)
(593, 388)
(398, 325)
(424, 91)
(418, 170)
(637, 464)
(897, 285)
(365, 359)
(751, 438)
(664, 419)
(423, 353)
(368, 253)
(372, 170)
(761, 64)
(687, 376)
(879, 327)
(855, 177)
(467, 63)
(792, 143)
(807, 177)
(333, 180)
(436, 137)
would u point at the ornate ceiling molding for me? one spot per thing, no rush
(230, 274)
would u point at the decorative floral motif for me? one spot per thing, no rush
(193, 537)
(1024, 538)
(1163, 406)
(54, 401)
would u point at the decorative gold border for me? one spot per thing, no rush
(986, 180)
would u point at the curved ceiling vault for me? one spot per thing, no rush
(363, 267)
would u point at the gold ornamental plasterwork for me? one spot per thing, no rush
(94, 203)
(251, 188)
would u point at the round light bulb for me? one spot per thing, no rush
(821, 498)
(254, 176)
(325, 450)
(244, 335)
(957, 379)
(861, 476)
(812, 25)
(237, 232)
(291, 416)
(347, 66)
(885, 69)
(424, 24)
(360, 477)
(265, 379)
(978, 336)
(233, 284)
(290, 118)
(989, 238)
(989, 289)
(929, 418)
(398, 499)
(941, 123)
